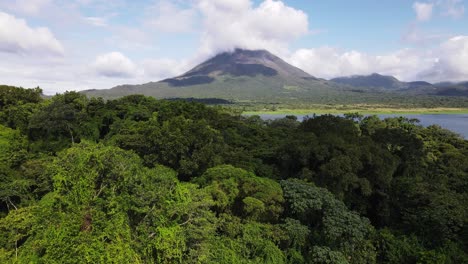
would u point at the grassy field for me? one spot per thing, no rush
(357, 109)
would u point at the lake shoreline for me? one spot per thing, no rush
(455, 122)
(376, 111)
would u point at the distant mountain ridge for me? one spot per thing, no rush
(258, 75)
(453, 89)
(374, 80)
(377, 81)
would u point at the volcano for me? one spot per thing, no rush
(239, 63)
(240, 75)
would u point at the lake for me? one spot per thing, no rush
(457, 123)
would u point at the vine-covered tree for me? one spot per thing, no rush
(141, 180)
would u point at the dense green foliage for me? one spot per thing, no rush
(140, 180)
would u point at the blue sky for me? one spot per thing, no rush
(94, 44)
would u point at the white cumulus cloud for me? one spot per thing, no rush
(167, 17)
(26, 7)
(452, 8)
(451, 61)
(17, 37)
(329, 62)
(447, 62)
(423, 11)
(164, 68)
(239, 24)
(114, 65)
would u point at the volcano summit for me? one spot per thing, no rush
(238, 75)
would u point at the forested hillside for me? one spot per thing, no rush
(140, 180)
